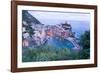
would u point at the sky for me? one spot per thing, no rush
(53, 18)
(80, 22)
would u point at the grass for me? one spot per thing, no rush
(47, 53)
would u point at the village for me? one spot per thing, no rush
(43, 40)
(43, 34)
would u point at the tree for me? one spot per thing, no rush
(85, 43)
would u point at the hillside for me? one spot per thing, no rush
(29, 18)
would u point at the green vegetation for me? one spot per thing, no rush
(85, 43)
(47, 53)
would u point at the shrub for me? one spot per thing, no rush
(45, 53)
(85, 43)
